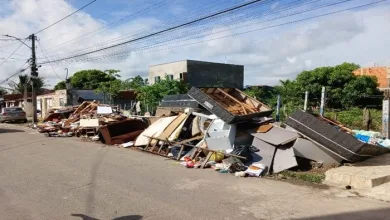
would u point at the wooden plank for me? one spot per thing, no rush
(206, 160)
(226, 154)
(180, 152)
(234, 99)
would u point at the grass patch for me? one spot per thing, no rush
(304, 176)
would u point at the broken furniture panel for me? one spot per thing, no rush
(172, 127)
(123, 131)
(265, 155)
(104, 110)
(229, 104)
(276, 136)
(154, 129)
(220, 135)
(93, 122)
(340, 143)
(284, 159)
(307, 149)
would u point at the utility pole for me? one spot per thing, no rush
(278, 102)
(69, 93)
(34, 75)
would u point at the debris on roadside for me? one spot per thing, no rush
(221, 129)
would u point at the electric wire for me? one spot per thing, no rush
(168, 22)
(268, 27)
(12, 53)
(166, 30)
(44, 54)
(65, 17)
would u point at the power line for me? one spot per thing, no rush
(109, 24)
(66, 17)
(169, 22)
(21, 69)
(284, 8)
(258, 29)
(44, 54)
(166, 30)
(12, 54)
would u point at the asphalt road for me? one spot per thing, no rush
(66, 178)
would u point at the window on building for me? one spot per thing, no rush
(170, 77)
(49, 102)
(156, 79)
(62, 103)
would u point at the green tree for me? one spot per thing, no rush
(152, 95)
(91, 79)
(342, 86)
(60, 85)
(134, 83)
(3, 91)
(25, 80)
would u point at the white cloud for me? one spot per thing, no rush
(269, 56)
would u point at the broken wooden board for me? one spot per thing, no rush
(264, 128)
(308, 149)
(276, 136)
(172, 127)
(230, 105)
(153, 130)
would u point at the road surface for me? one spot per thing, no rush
(67, 178)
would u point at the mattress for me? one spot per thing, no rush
(328, 136)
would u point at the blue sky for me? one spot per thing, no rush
(242, 37)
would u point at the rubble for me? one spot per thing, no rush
(222, 129)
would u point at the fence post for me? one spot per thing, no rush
(306, 99)
(322, 106)
(385, 114)
(277, 117)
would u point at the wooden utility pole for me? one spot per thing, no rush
(34, 75)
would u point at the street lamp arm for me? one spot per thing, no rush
(20, 40)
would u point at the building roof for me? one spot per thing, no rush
(127, 95)
(193, 61)
(89, 95)
(379, 72)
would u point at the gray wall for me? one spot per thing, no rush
(174, 68)
(207, 74)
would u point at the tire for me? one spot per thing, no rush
(24, 120)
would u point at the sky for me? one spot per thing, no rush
(274, 40)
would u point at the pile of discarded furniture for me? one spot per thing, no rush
(234, 133)
(93, 120)
(219, 128)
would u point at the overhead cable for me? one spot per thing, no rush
(166, 30)
(66, 17)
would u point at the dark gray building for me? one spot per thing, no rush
(200, 73)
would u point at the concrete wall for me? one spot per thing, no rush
(174, 68)
(201, 74)
(207, 74)
(51, 100)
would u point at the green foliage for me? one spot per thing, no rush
(3, 91)
(152, 95)
(134, 83)
(353, 118)
(304, 176)
(60, 85)
(91, 79)
(25, 80)
(343, 89)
